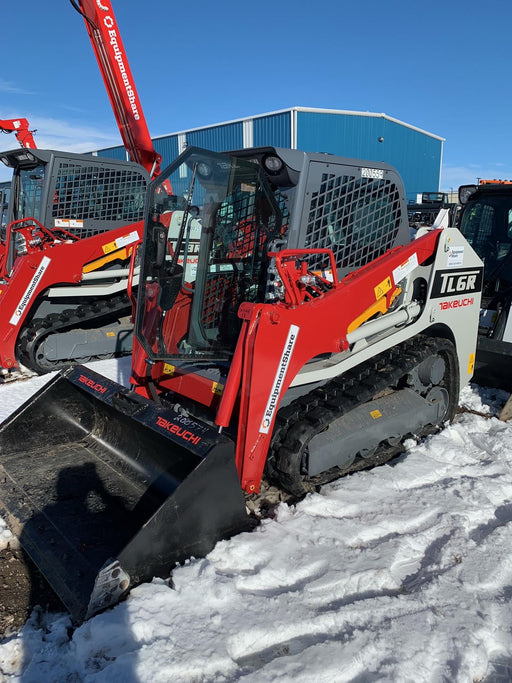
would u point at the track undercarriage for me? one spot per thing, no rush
(408, 391)
(91, 331)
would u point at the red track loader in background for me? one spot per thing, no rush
(309, 339)
(64, 257)
(72, 223)
(21, 130)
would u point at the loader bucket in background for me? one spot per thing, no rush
(106, 489)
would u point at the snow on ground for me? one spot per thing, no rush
(401, 573)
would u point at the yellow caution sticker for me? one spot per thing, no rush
(107, 248)
(110, 334)
(375, 414)
(471, 364)
(217, 388)
(383, 288)
(121, 242)
(169, 369)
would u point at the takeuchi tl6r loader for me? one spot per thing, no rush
(285, 328)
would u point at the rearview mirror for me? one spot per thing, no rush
(465, 192)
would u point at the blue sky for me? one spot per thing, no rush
(442, 66)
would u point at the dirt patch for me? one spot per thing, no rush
(22, 587)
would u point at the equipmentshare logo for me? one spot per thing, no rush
(118, 56)
(279, 379)
(29, 292)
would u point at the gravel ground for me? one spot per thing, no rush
(21, 588)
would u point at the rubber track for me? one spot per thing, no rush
(308, 415)
(34, 334)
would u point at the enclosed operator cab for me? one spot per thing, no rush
(486, 223)
(85, 195)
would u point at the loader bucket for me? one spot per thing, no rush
(106, 489)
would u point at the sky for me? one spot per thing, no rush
(396, 574)
(443, 67)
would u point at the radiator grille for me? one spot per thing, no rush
(357, 218)
(98, 193)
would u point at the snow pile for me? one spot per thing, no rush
(5, 535)
(13, 394)
(400, 573)
(484, 401)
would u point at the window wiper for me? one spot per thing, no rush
(183, 227)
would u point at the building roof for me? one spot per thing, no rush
(314, 110)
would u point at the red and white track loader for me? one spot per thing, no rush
(285, 327)
(72, 223)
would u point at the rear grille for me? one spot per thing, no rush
(98, 193)
(357, 218)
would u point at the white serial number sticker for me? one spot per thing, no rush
(377, 173)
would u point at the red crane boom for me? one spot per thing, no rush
(110, 54)
(21, 130)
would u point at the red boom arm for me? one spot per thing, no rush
(108, 47)
(20, 128)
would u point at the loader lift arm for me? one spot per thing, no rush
(20, 128)
(108, 47)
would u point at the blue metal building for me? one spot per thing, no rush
(415, 153)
